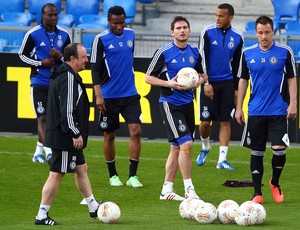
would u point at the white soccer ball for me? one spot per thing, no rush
(183, 208)
(246, 214)
(206, 213)
(109, 212)
(261, 213)
(226, 211)
(191, 206)
(188, 77)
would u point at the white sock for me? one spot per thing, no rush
(47, 150)
(167, 187)
(92, 203)
(205, 143)
(43, 210)
(188, 183)
(39, 148)
(222, 153)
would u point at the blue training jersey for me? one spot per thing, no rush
(267, 71)
(221, 51)
(112, 63)
(35, 47)
(165, 64)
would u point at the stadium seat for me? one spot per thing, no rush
(35, 7)
(66, 20)
(12, 6)
(16, 46)
(11, 35)
(94, 19)
(24, 18)
(128, 5)
(88, 38)
(79, 7)
(3, 44)
(249, 38)
(293, 29)
(284, 12)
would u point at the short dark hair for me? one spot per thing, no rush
(264, 20)
(48, 5)
(227, 6)
(115, 10)
(71, 50)
(178, 19)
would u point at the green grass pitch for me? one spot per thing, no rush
(22, 180)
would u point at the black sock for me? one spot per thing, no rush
(111, 168)
(278, 163)
(257, 172)
(133, 165)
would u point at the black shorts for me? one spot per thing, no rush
(258, 129)
(128, 107)
(220, 108)
(179, 120)
(66, 161)
(39, 97)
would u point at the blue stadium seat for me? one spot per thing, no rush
(293, 29)
(24, 18)
(11, 35)
(81, 7)
(35, 7)
(128, 5)
(12, 6)
(66, 20)
(94, 19)
(3, 44)
(16, 46)
(88, 38)
(249, 30)
(284, 12)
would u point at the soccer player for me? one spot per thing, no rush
(115, 91)
(67, 132)
(220, 45)
(176, 104)
(270, 67)
(42, 49)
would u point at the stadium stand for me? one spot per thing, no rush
(81, 7)
(25, 19)
(128, 5)
(97, 19)
(66, 20)
(285, 11)
(12, 6)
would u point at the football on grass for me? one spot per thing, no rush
(109, 212)
(188, 77)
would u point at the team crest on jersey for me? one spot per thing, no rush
(40, 109)
(129, 43)
(59, 41)
(273, 60)
(72, 165)
(205, 113)
(182, 128)
(191, 59)
(231, 43)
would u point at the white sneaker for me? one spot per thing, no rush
(190, 193)
(171, 196)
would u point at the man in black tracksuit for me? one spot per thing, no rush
(67, 131)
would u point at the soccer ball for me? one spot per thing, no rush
(191, 205)
(226, 211)
(246, 214)
(183, 208)
(261, 213)
(206, 213)
(109, 212)
(188, 77)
